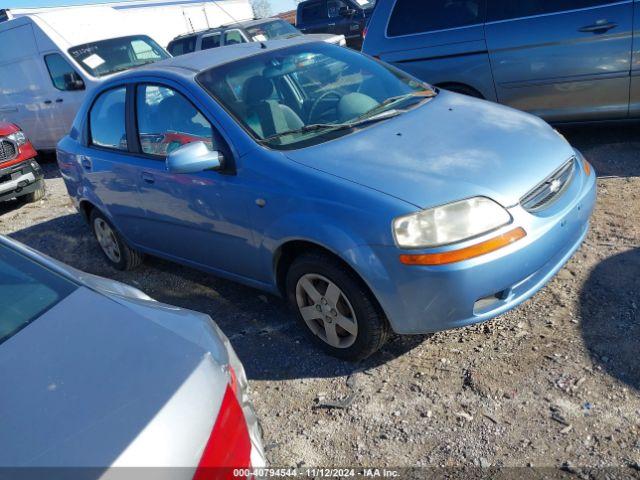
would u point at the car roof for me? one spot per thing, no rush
(199, 61)
(239, 24)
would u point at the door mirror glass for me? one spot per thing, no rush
(72, 81)
(193, 158)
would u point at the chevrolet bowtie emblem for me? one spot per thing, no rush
(555, 186)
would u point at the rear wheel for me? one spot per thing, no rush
(114, 248)
(337, 309)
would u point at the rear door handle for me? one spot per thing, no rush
(148, 177)
(59, 100)
(9, 109)
(601, 26)
(48, 102)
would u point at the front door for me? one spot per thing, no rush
(563, 60)
(199, 218)
(64, 95)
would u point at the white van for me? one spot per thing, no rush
(49, 60)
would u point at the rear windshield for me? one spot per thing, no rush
(27, 290)
(117, 54)
(272, 30)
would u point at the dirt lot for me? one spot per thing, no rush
(555, 382)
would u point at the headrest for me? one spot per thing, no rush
(257, 89)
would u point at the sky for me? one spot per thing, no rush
(277, 6)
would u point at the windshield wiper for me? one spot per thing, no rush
(397, 99)
(335, 126)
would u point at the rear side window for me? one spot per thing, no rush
(508, 9)
(27, 291)
(210, 41)
(312, 11)
(63, 76)
(167, 120)
(182, 46)
(411, 16)
(334, 6)
(107, 120)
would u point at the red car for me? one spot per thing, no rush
(20, 173)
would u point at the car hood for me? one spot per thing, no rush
(450, 148)
(96, 381)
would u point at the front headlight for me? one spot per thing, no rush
(450, 223)
(19, 138)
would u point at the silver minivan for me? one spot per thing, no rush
(564, 60)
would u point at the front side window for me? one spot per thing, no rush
(117, 54)
(233, 37)
(107, 120)
(506, 9)
(307, 94)
(63, 76)
(333, 8)
(167, 120)
(272, 30)
(411, 16)
(210, 41)
(27, 291)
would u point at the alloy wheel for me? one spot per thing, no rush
(107, 240)
(326, 310)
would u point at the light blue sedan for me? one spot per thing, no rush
(373, 202)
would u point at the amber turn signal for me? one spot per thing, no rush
(587, 167)
(473, 251)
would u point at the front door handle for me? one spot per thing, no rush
(59, 100)
(148, 177)
(86, 163)
(601, 26)
(48, 102)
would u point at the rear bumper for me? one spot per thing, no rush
(20, 179)
(430, 299)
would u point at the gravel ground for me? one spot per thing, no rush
(555, 382)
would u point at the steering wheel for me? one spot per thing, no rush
(320, 99)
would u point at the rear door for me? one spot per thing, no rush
(25, 85)
(563, 60)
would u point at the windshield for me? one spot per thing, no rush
(271, 30)
(117, 54)
(27, 290)
(306, 94)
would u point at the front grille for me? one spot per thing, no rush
(8, 151)
(550, 189)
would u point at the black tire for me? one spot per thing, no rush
(372, 326)
(37, 194)
(128, 258)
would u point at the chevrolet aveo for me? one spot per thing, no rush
(373, 202)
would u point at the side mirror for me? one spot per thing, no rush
(347, 12)
(72, 81)
(193, 158)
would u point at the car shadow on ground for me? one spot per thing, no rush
(266, 335)
(613, 148)
(610, 316)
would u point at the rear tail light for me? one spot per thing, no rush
(229, 446)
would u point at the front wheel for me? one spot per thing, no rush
(337, 309)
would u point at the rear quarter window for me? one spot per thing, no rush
(182, 46)
(411, 16)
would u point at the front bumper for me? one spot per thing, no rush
(430, 299)
(20, 179)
